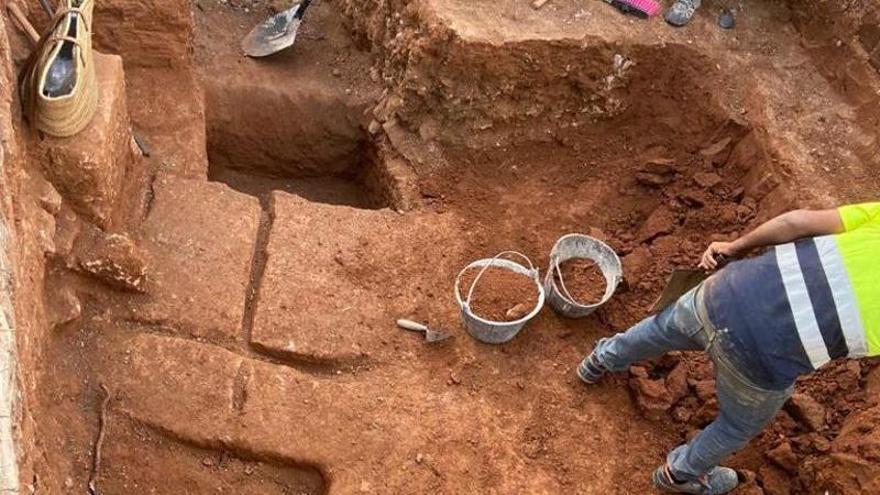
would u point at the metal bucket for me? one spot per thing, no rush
(496, 332)
(579, 246)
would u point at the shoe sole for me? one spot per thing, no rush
(584, 379)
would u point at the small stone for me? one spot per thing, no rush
(50, 199)
(872, 384)
(636, 264)
(676, 382)
(660, 222)
(517, 312)
(374, 127)
(716, 147)
(705, 389)
(652, 397)
(454, 379)
(111, 258)
(598, 234)
(638, 371)
(692, 198)
(420, 458)
(207, 461)
(659, 166)
(64, 306)
(707, 180)
(807, 410)
(336, 73)
(821, 444)
(653, 180)
(784, 457)
(774, 481)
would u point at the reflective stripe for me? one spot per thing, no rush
(801, 307)
(844, 296)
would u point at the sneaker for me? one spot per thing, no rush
(682, 11)
(718, 481)
(590, 370)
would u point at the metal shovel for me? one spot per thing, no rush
(681, 281)
(275, 33)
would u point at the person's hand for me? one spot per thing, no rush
(709, 261)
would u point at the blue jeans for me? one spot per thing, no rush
(744, 407)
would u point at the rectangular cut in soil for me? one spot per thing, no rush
(178, 468)
(207, 395)
(199, 238)
(337, 277)
(500, 294)
(584, 280)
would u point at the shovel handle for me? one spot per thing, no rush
(301, 11)
(23, 22)
(48, 8)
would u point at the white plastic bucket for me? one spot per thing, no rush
(579, 246)
(496, 332)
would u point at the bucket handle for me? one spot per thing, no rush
(467, 302)
(562, 282)
(565, 290)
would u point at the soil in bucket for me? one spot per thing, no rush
(500, 295)
(583, 279)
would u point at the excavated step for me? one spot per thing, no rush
(199, 238)
(297, 113)
(337, 277)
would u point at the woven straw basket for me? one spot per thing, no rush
(67, 114)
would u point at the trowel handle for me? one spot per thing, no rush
(411, 325)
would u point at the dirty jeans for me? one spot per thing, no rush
(744, 407)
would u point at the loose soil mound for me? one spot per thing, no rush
(500, 295)
(583, 279)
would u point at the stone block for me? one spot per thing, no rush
(88, 169)
(198, 241)
(336, 278)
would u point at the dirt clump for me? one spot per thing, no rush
(500, 295)
(583, 279)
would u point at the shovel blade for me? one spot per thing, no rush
(274, 34)
(680, 282)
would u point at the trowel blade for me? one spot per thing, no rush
(274, 34)
(432, 336)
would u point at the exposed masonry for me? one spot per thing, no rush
(8, 460)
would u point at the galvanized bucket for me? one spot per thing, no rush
(496, 332)
(579, 246)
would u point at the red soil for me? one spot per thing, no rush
(500, 295)
(583, 279)
(203, 367)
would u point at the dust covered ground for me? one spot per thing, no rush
(239, 302)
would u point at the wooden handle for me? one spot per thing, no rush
(411, 325)
(23, 22)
